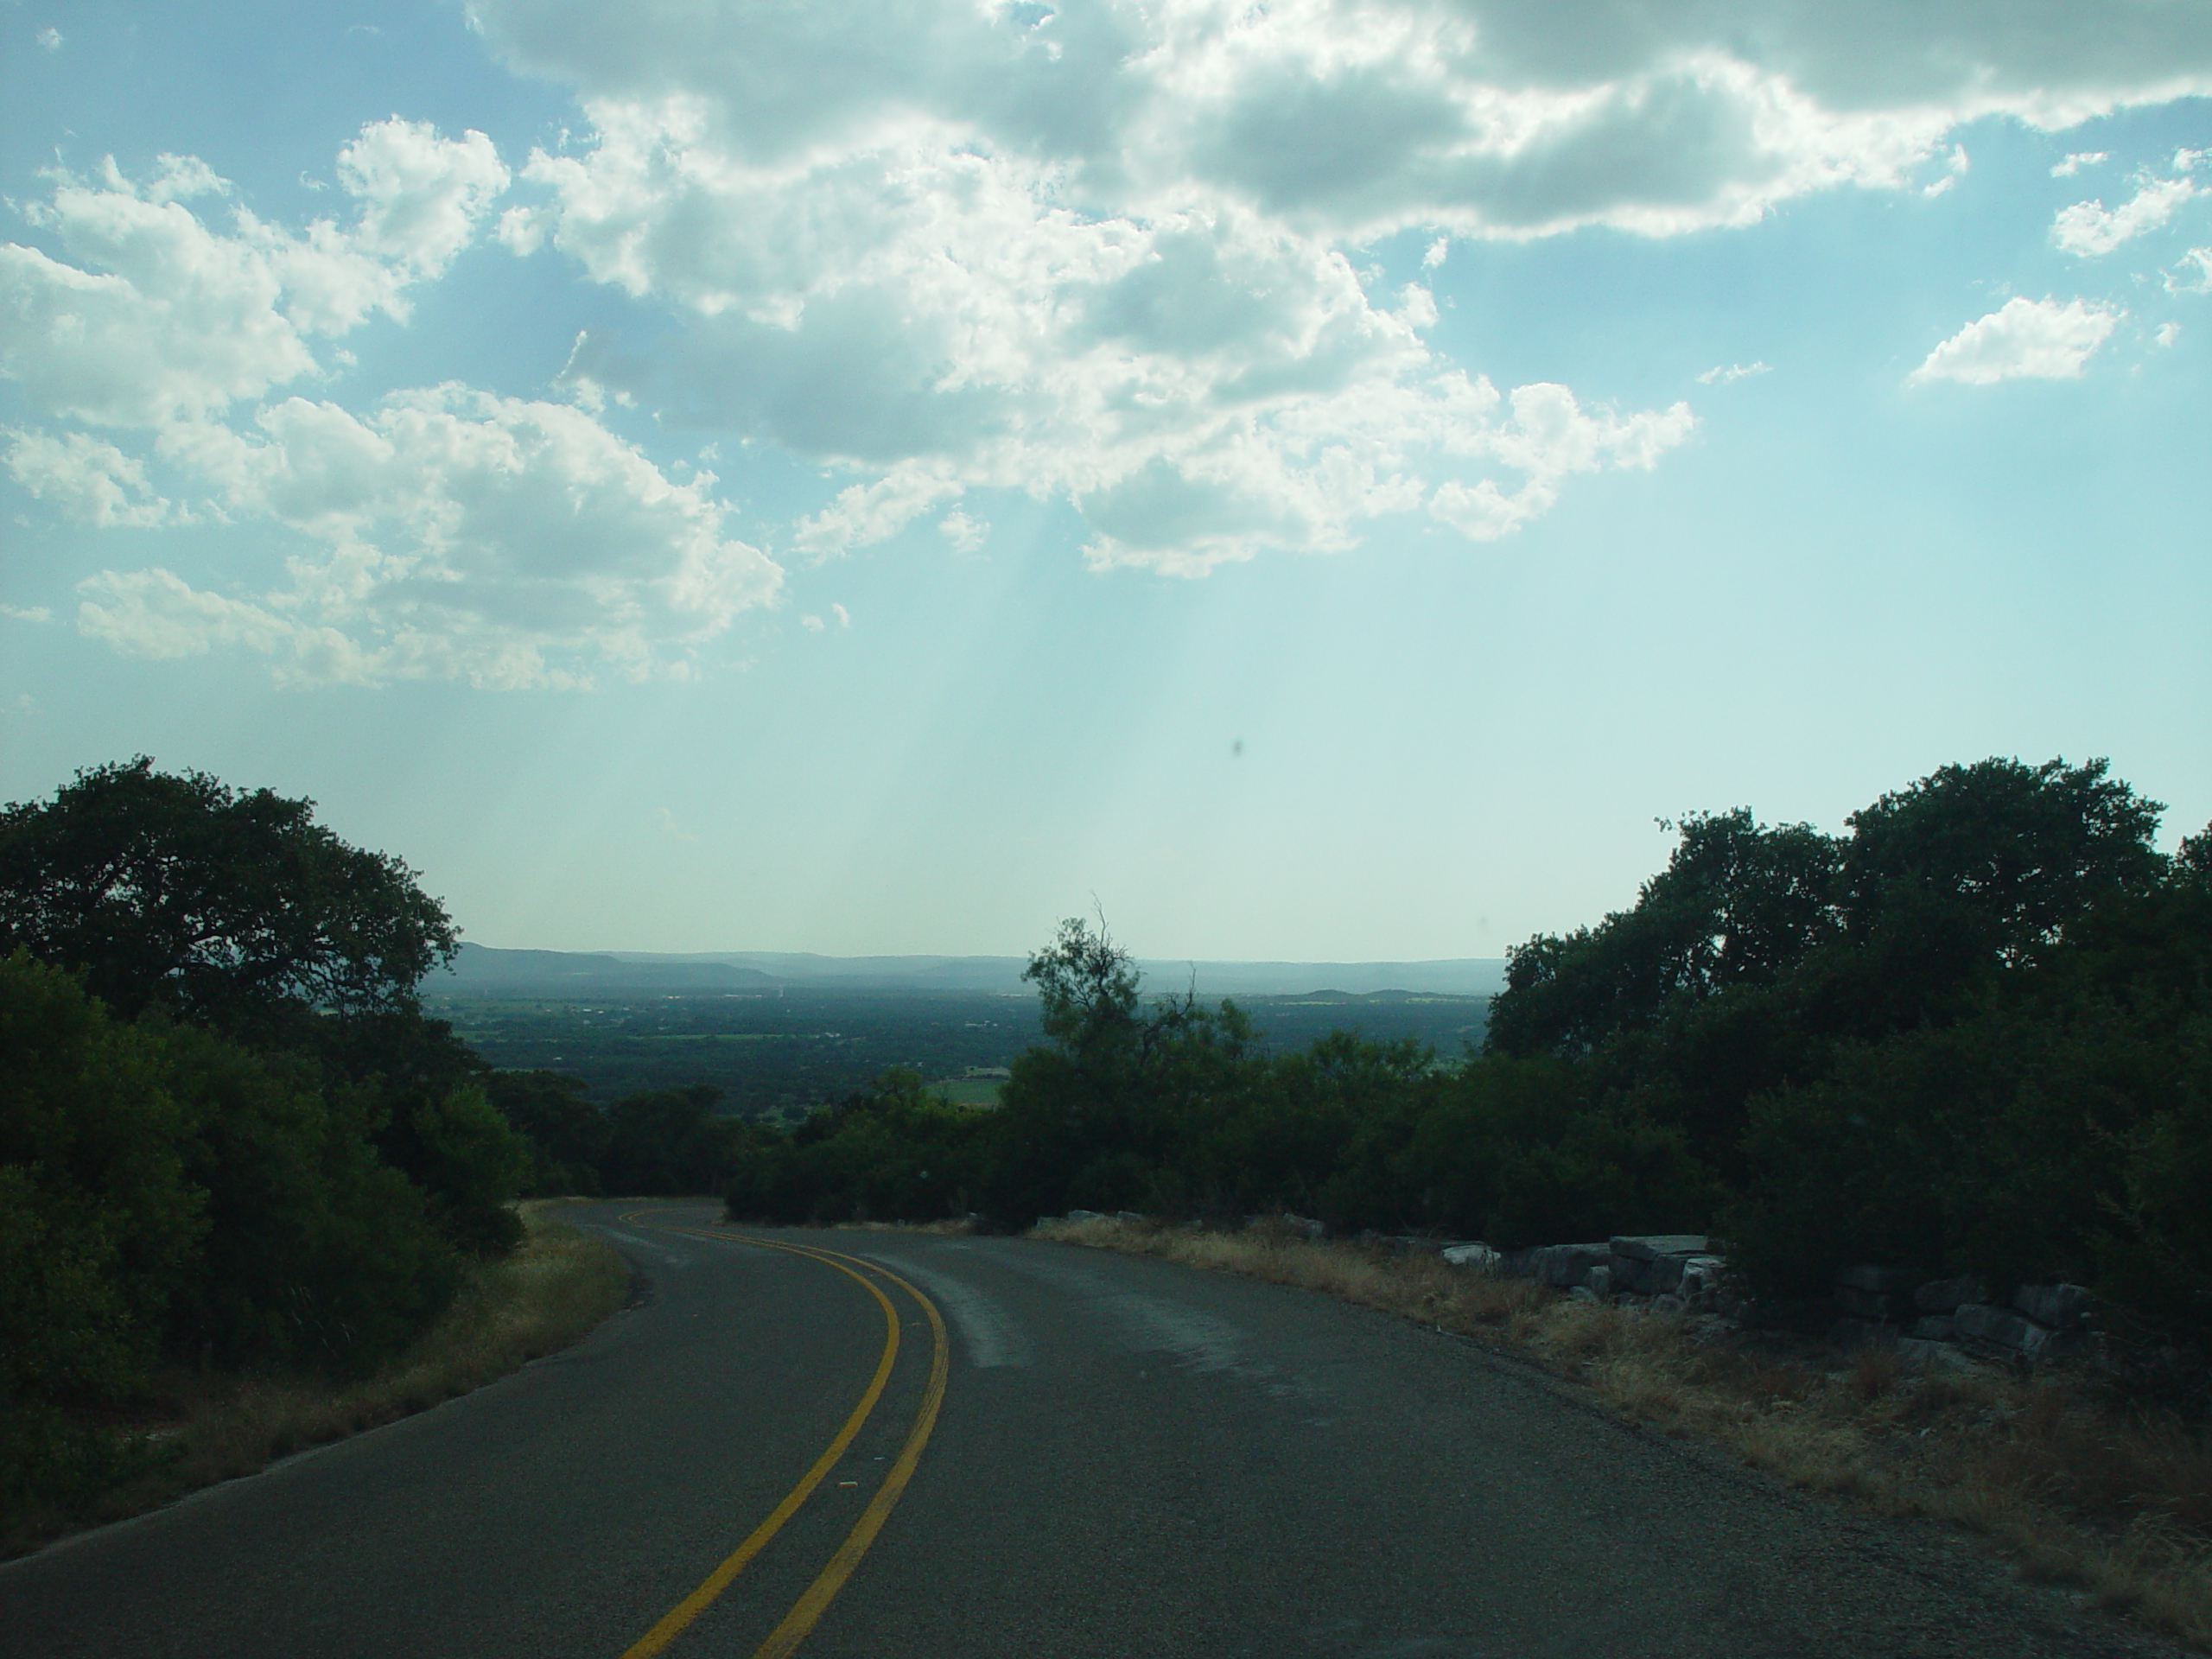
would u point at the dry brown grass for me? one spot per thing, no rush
(2076, 1489)
(557, 1285)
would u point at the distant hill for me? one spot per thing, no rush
(488, 971)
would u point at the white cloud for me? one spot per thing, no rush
(1100, 255)
(1490, 117)
(1723, 374)
(1548, 436)
(2168, 333)
(844, 617)
(2075, 163)
(1200, 384)
(26, 613)
(154, 613)
(2089, 228)
(2186, 280)
(811, 622)
(512, 543)
(967, 535)
(87, 478)
(1958, 165)
(2024, 340)
(50, 39)
(161, 318)
(864, 514)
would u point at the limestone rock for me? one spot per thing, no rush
(2000, 1330)
(1564, 1265)
(2057, 1306)
(1479, 1258)
(1650, 1264)
(1647, 1247)
(1701, 1279)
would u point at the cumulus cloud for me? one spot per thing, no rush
(1199, 383)
(452, 533)
(1101, 254)
(2193, 275)
(154, 315)
(86, 478)
(2089, 228)
(2024, 340)
(2075, 163)
(509, 543)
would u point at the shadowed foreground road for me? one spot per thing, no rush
(1131, 1459)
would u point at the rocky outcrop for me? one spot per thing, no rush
(1476, 1258)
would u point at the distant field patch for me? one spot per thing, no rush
(969, 1091)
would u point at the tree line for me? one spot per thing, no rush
(1972, 1032)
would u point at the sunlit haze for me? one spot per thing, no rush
(1305, 481)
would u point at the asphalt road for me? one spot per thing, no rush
(1129, 1458)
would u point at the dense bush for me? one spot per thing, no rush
(228, 1136)
(166, 1193)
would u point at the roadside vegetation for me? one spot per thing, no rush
(185, 1427)
(1971, 1035)
(237, 1163)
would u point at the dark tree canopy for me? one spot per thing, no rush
(1971, 868)
(227, 906)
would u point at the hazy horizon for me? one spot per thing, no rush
(1001, 975)
(1311, 484)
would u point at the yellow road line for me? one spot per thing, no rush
(673, 1622)
(807, 1610)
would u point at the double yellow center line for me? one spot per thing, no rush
(807, 1610)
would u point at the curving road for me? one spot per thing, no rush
(895, 1446)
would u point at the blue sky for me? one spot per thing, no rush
(1314, 482)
